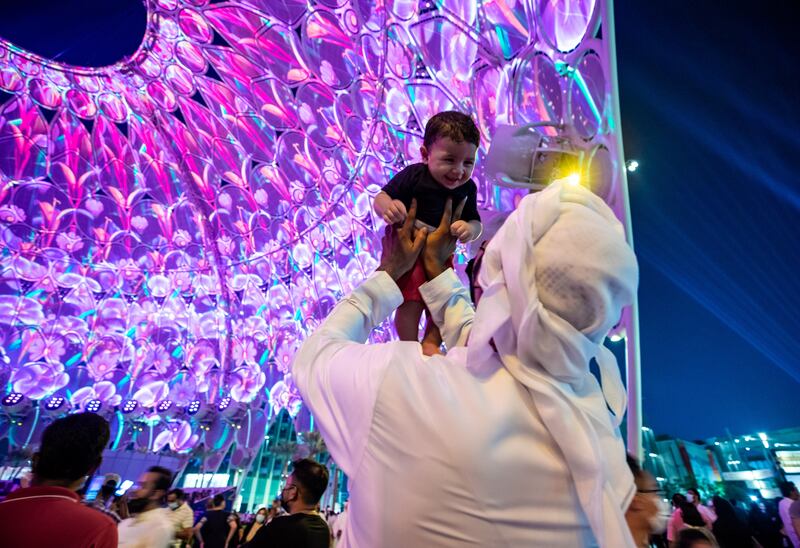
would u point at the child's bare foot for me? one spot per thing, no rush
(430, 348)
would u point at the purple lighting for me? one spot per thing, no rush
(174, 225)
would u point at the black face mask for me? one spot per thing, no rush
(284, 503)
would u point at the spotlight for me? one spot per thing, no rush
(11, 399)
(193, 407)
(224, 403)
(94, 406)
(228, 408)
(573, 179)
(55, 403)
(631, 165)
(129, 406)
(164, 406)
(15, 404)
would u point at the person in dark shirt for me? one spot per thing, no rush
(215, 530)
(303, 527)
(450, 143)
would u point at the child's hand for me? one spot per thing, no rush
(461, 230)
(395, 213)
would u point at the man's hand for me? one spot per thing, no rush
(441, 242)
(401, 246)
(461, 230)
(395, 213)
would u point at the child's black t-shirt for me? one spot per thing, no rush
(416, 181)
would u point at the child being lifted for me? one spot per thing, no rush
(448, 151)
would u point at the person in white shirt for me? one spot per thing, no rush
(508, 442)
(182, 516)
(790, 495)
(151, 525)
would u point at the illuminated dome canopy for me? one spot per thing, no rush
(175, 224)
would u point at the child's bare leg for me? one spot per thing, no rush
(432, 340)
(406, 320)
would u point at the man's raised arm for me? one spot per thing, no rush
(446, 297)
(339, 376)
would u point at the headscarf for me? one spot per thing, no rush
(555, 279)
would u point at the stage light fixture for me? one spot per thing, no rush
(164, 406)
(11, 399)
(631, 165)
(94, 406)
(193, 407)
(129, 406)
(224, 403)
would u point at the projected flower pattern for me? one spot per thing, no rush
(174, 225)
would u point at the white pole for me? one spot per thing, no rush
(632, 354)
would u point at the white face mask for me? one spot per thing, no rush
(173, 505)
(658, 522)
(260, 518)
(689, 497)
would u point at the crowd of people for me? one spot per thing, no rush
(729, 524)
(152, 514)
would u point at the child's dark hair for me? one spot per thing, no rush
(458, 126)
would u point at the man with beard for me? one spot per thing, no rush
(303, 527)
(151, 525)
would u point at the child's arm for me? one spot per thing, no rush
(392, 211)
(466, 231)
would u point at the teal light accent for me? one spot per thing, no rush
(88, 313)
(124, 381)
(119, 431)
(505, 45)
(73, 359)
(178, 352)
(264, 357)
(578, 77)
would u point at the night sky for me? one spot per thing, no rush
(711, 110)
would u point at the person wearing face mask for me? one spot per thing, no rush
(49, 513)
(647, 514)
(303, 527)
(708, 515)
(254, 526)
(182, 516)
(151, 525)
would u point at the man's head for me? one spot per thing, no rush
(789, 490)
(71, 449)
(175, 498)
(644, 513)
(449, 146)
(151, 489)
(693, 538)
(693, 496)
(304, 486)
(219, 501)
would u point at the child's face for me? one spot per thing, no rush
(449, 162)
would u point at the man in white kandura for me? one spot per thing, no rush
(506, 442)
